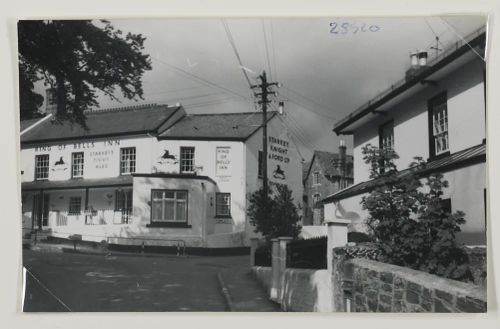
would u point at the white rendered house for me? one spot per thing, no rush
(152, 175)
(436, 112)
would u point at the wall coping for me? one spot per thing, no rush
(425, 279)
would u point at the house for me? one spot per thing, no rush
(151, 174)
(437, 112)
(326, 174)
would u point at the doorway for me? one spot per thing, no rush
(41, 203)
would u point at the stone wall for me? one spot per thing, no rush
(477, 264)
(370, 286)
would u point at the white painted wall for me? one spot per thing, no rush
(292, 166)
(466, 119)
(101, 157)
(229, 180)
(466, 190)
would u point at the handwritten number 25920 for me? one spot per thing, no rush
(345, 28)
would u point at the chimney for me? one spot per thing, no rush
(422, 58)
(342, 158)
(414, 59)
(418, 61)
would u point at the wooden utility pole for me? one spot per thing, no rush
(264, 93)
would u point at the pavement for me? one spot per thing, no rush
(246, 294)
(87, 281)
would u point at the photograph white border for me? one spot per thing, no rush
(10, 246)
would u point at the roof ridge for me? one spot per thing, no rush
(125, 108)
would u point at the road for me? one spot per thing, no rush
(87, 283)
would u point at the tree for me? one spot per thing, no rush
(77, 59)
(275, 215)
(410, 227)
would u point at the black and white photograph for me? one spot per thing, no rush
(265, 164)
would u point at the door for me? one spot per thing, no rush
(41, 210)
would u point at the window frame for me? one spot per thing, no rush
(169, 223)
(314, 201)
(315, 178)
(73, 154)
(185, 148)
(381, 130)
(432, 104)
(217, 214)
(71, 211)
(129, 172)
(127, 195)
(47, 168)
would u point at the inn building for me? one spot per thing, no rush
(151, 175)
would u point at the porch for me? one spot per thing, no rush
(53, 206)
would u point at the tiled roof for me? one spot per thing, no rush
(221, 126)
(328, 160)
(459, 159)
(27, 123)
(77, 183)
(112, 122)
(328, 163)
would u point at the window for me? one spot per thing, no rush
(446, 204)
(169, 206)
(223, 205)
(127, 160)
(386, 136)
(316, 198)
(123, 204)
(77, 165)
(187, 160)
(42, 166)
(438, 126)
(260, 163)
(316, 178)
(75, 205)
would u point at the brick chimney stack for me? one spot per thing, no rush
(342, 158)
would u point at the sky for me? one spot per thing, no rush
(327, 67)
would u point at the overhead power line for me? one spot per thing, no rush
(199, 79)
(235, 49)
(310, 100)
(168, 91)
(454, 30)
(267, 50)
(274, 52)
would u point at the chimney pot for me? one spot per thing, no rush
(422, 58)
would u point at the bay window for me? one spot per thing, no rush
(169, 208)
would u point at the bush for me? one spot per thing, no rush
(275, 215)
(412, 228)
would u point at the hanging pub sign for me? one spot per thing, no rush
(223, 161)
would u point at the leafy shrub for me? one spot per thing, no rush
(412, 228)
(275, 215)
